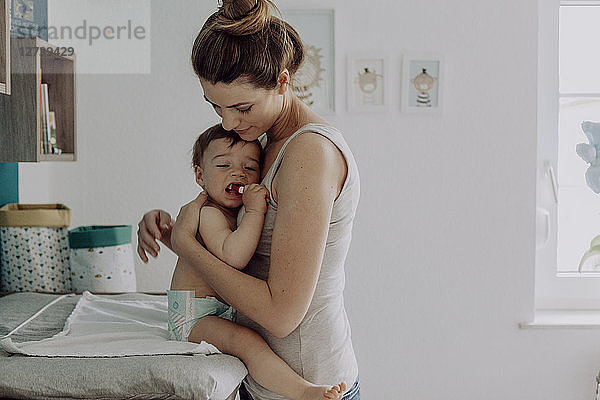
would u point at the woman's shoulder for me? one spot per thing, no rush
(312, 145)
(314, 157)
(314, 134)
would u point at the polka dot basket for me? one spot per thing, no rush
(102, 259)
(34, 249)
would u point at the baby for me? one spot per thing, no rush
(227, 166)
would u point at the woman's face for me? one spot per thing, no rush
(248, 110)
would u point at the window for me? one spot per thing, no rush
(568, 213)
(579, 100)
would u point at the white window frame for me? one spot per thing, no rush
(554, 290)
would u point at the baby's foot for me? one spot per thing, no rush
(324, 392)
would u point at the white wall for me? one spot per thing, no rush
(441, 268)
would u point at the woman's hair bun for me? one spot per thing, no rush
(243, 17)
(243, 39)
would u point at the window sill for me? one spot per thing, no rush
(564, 319)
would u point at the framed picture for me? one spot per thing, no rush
(367, 83)
(29, 18)
(422, 83)
(313, 83)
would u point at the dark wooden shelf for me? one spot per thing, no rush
(4, 47)
(34, 61)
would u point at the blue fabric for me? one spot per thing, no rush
(353, 393)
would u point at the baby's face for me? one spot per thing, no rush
(223, 166)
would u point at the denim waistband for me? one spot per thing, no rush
(349, 395)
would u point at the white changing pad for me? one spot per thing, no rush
(111, 326)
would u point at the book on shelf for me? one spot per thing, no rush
(45, 120)
(53, 144)
(48, 124)
(41, 121)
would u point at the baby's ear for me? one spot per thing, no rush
(198, 173)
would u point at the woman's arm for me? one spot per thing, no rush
(157, 225)
(308, 181)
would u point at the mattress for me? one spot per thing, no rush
(198, 376)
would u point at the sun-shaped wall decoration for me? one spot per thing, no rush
(309, 74)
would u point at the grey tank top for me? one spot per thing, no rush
(320, 348)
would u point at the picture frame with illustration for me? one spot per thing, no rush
(367, 82)
(422, 83)
(29, 18)
(314, 82)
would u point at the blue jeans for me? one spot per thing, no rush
(352, 394)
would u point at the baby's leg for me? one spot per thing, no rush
(263, 364)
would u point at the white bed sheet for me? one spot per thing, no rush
(195, 376)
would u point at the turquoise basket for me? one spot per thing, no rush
(99, 236)
(101, 259)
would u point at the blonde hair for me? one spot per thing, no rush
(244, 40)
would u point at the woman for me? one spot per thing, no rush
(291, 292)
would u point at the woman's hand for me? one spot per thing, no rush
(155, 225)
(186, 225)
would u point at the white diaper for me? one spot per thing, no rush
(185, 310)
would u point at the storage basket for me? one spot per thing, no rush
(102, 259)
(34, 249)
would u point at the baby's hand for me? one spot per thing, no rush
(255, 198)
